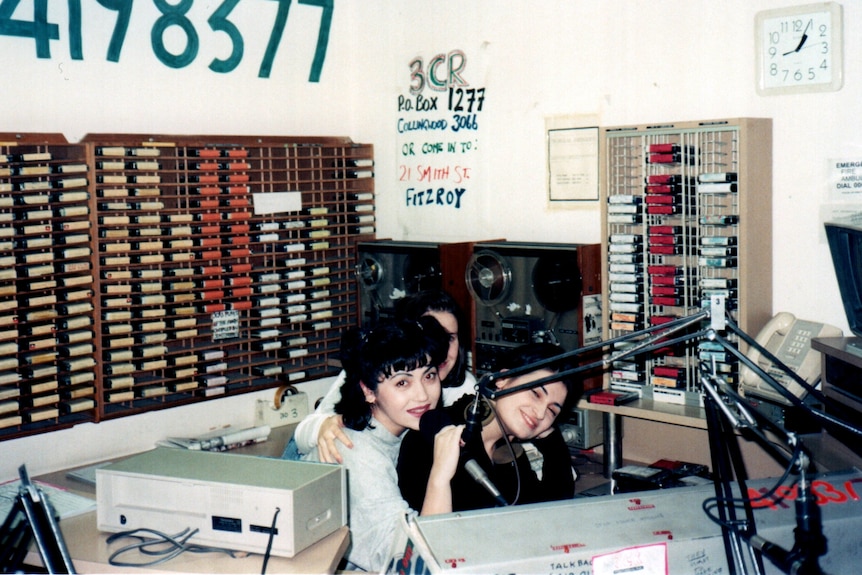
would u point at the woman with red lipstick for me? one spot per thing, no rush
(390, 382)
(324, 429)
(527, 416)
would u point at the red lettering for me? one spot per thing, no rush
(824, 493)
(829, 493)
(787, 492)
(757, 499)
(850, 487)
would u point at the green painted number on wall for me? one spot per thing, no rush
(171, 15)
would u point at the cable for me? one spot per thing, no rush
(269, 542)
(712, 502)
(511, 452)
(175, 546)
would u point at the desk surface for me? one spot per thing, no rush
(838, 346)
(90, 551)
(686, 415)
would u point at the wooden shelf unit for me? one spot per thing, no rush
(47, 322)
(216, 265)
(675, 232)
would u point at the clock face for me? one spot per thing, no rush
(799, 49)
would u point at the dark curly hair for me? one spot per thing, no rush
(417, 305)
(369, 356)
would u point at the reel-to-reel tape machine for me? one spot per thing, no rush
(388, 270)
(532, 292)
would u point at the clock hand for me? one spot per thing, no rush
(801, 40)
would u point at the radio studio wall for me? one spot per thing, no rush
(534, 292)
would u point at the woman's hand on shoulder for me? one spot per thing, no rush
(331, 433)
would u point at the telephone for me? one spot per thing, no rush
(788, 339)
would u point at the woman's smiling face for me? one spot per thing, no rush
(402, 398)
(530, 413)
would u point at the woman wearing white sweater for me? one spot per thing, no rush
(391, 381)
(324, 429)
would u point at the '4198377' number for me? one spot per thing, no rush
(171, 14)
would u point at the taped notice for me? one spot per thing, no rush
(225, 324)
(640, 559)
(276, 202)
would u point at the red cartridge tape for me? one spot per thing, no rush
(207, 153)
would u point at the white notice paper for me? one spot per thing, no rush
(573, 164)
(640, 559)
(276, 202)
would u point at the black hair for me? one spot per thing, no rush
(533, 352)
(417, 305)
(369, 356)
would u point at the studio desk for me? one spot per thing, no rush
(89, 549)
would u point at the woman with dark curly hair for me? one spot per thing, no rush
(390, 381)
(324, 427)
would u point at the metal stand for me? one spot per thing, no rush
(32, 519)
(613, 445)
(728, 415)
(727, 464)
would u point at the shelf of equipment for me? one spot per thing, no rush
(687, 213)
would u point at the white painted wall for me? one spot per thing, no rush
(619, 61)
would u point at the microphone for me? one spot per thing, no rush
(779, 556)
(479, 476)
(791, 562)
(810, 543)
(473, 421)
(436, 419)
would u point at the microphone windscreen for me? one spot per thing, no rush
(432, 422)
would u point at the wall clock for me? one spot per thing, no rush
(799, 49)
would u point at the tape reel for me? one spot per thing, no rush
(281, 393)
(370, 272)
(489, 277)
(421, 273)
(557, 283)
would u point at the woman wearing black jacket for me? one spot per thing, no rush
(509, 421)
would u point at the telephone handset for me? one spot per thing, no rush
(788, 339)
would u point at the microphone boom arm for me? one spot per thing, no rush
(810, 542)
(653, 338)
